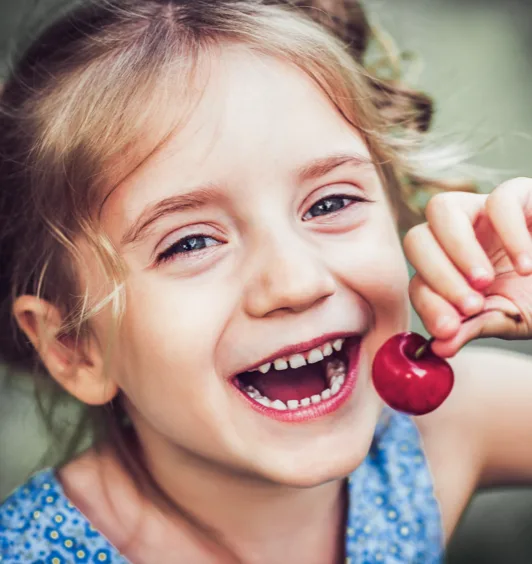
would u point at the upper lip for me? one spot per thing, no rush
(300, 348)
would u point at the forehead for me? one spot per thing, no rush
(253, 115)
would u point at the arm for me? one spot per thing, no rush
(501, 404)
(482, 435)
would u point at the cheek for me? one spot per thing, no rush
(374, 265)
(383, 279)
(169, 333)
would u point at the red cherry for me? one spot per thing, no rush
(409, 377)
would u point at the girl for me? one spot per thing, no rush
(201, 202)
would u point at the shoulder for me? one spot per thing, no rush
(492, 393)
(24, 513)
(487, 380)
(38, 523)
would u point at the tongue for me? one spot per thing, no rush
(291, 384)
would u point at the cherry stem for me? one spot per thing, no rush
(426, 346)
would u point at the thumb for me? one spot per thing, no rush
(502, 323)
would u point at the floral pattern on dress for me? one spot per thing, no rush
(393, 516)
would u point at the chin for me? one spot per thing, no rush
(327, 456)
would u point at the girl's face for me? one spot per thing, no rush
(261, 225)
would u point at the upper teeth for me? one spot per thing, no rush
(301, 359)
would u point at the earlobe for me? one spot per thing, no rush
(78, 366)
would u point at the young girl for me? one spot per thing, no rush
(201, 203)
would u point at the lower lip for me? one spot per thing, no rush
(325, 407)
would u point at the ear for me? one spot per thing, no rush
(78, 366)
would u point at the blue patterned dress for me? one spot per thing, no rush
(393, 516)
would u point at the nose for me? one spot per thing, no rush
(288, 276)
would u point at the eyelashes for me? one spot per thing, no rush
(188, 245)
(332, 204)
(199, 243)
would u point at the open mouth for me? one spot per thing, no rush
(304, 385)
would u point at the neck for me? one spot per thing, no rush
(259, 521)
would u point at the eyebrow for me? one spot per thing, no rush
(202, 196)
(323, 166)
(193, 200)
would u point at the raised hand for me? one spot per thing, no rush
(473, 262)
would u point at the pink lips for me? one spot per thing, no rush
(325, 407)
(300, 348)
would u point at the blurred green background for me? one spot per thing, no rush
(476, 59)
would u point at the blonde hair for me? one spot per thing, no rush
(80, 98)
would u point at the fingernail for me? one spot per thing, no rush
(524, 260)
(471, 303)
(479, 273)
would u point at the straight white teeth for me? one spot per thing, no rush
(299, 360)
(336, 384)
(280, 364)
(265, 368)
(314, 356)
(279, 405)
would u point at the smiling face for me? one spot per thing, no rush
(261, 225)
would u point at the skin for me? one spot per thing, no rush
(271, 277)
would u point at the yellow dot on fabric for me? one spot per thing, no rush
(56, 561)
(69, 505)
(36, 514)
(379, 500)
(46, 486)
(350, 531)
(404, 530)
(367, 529)
(392, 514)
(69, 543)
(54, 535)
(58, 519)
(102, 557)
(49, 499)
(80, 554)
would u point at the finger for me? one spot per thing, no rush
(451, 218)
(492, 323)
(434, 266)
(439, 317)
(507, 207)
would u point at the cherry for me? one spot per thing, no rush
(409, 377)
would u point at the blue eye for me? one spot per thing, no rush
(187, 245)
(331, 204)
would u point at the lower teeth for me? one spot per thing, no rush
(336, 370)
